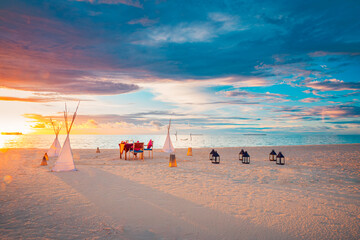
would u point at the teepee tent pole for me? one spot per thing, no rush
(74, 116)
(52, 123)
(55, 148)
(66, 121)
(65, 161)
(56, 129)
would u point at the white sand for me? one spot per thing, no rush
(314, 196)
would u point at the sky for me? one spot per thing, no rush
(213, 67)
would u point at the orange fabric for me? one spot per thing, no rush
(122, 146)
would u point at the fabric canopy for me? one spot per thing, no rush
(65, 161)
(168, 147)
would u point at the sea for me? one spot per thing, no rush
(179, 141)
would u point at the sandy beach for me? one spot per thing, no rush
(314, 196)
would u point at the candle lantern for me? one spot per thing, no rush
(246, 158)
(189, 152)
(172, 161)
(215, 158)
(272, 156)
(211, 154)
(280, 159)
(241, 154)
(44, 161)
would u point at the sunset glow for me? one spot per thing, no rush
(214, 68)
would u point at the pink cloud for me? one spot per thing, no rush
(333, 85)
(17, 99)
(242, 81)
(32, 63)
(269, 97)
(323, 53)
(143, 21)
(133, 3)
(341, 111)
(38, 99)
(310, 100)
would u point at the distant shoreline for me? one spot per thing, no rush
(209, 141)
(11, 133)
(254, 134)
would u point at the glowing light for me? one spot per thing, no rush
(8, 179)
(3, 150)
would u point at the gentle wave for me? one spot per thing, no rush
(182, 141)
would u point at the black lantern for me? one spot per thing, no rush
(241, 154)
(211, 154)
(246, 158)
(280, 159)
(272, 156)
(215, 158)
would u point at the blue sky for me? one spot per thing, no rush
(214, 66)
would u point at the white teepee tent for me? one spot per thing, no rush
(55, 148)
(168, 147)
(65, 161)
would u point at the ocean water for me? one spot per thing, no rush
(182, 141)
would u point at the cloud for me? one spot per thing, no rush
(32, 62)
(268, 97)
(356, 122)
(37, 117)
(180, 34)
(329, 97)
(323, 53)
(243, 81)
(96, 87)
(228, 23)
(145, 21)
(290, 109)
(156, 124)
(4, 98)
(333, 85)
(310, 100)
(152, 121)
(189, 95)
(191, 32)
(38, 125)
(194, 95)
(40, 99)
(134, 3)
(206, 40)
(339, 111)
(68, 86)
(95, 121)
(320, 112)
(92, 123)
(288, 70)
